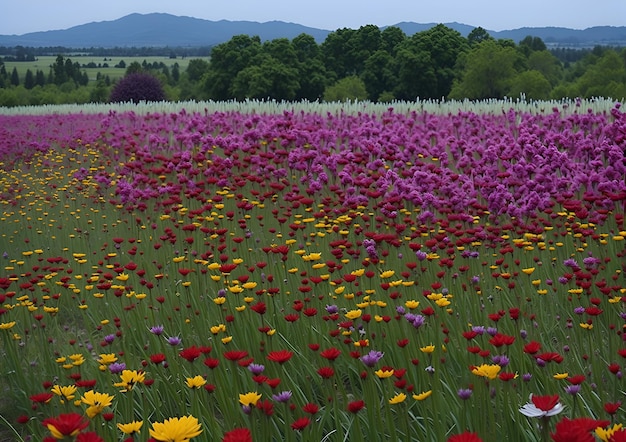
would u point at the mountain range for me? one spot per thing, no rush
(166, 30)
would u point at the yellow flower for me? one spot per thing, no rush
(411, 304)
(131, 427)
(442, 302)
(487, 370)
(122, 277)
(382, 374)
(560, 376)
(397, 399)
(196, 382)
(96, 401)
(66, 392)
(528, 270)
(176, 429)
(7, 325)
(227, 339)
(606, 435)
(586, 326)
(428, 349)
(107, 358)
(77, 359)
(423, 395)
(130, 378)
(249, 399)
(387, 274)
(353, 314)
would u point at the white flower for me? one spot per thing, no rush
(542, 406)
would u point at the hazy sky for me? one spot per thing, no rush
(20, 17)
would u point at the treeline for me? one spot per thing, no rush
(366, 63)
(28, 53)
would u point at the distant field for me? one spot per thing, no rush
(43, 63)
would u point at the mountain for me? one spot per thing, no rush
(160, 30)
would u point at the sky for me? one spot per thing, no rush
(20, 17)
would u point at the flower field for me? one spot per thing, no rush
(423, 273)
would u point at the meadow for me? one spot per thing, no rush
(314, 271)
(44, 63)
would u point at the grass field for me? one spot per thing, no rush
(43, 63)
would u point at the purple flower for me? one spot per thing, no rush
(572, 389)
(464, 393)
(579, 310)
(416, 320)
(174, 340)
(421, 256)
(501, 360)
(331, 309)
(283, 396)
(256, 369)
(372, 358)
(117, 367)
(492, 331)
(109, 339)
(526, 377)
(480, 329)
(157, 330)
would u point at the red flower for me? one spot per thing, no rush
(301, 423)
(576, 430)
(466, 436)
(355, 406)
(618, 436)
(505, 376)
(238, 435)
(331, 353)
(552, 356)
(326, 372)
(310, 408)
(66, 424)
(157, 358)
(89, 437)
(612, 407)
(85, 383)
(266, 406)
(259, 307)
(499, 340)
(190, 353)
(614, 368)
(280, 356)
(211, 362)
(235, 355)
(532, 347)
(577, 379)
(41, 398)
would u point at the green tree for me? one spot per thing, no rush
(391, 37)
(415, 73)
(59, 73)
(489, 70)
(347, 88)
(29, 79)
(196, 69)
(40, 78)
(604, 78)
(227, 60)
(478, 35)
(531, 44)
(547, 64)
(15, 78)
(533, 84)
(378, 75)
(133, 68)
(337, 53)
(312, 74)
(266, 78)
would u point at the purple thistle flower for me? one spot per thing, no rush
(372, 358)
(283, 396)
(480, 329)
(464, 393)
(256, 369)
(579, 310)
(109, 339)
(501, 360)
(526, 377)
(117, 367)
(572, 389)
(174, 340)
(331, 309)
(157, 330)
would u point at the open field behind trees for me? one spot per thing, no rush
(44, 63)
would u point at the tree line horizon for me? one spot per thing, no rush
(366, 64)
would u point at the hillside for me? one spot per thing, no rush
(160, 30)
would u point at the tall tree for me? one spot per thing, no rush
(29, 79)
(312, 73)
(489, 69)
(227, 60)
(15, 78)
(378, 75)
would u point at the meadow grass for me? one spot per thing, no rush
(194, 250)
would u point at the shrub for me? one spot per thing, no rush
(136, 87)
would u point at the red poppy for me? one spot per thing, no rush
(259, 307)
(190, 353)
(88, 437)
(234, 355)
(301, 424)
(612, 407)
(238, 435)
(326, 372)
(41, 398)
(211, 362)
(577, 379)
(157, 358)
(466, 436)
(355, 406)
(499, 340)
(551, 356)
(280, 356)
(66, 424)
(331, 353)
(266, 406)
(310, 408)
(576, 430)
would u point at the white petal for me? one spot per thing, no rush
(531, 410)
(556, 410)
